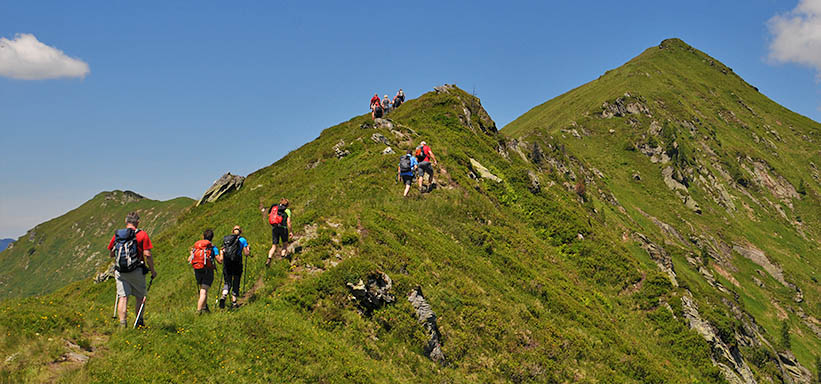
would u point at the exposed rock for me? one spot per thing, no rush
(483, 172)
(387, 151)
(657, 254)
(776, 184)
(105, 275)
(535, 185)
(311, 165)
(339, 152)
(124, 197)
(516, 146)
(444, 88)
(757, 256)
(620, 107)
(365, 126)
(791, 366)
(426, 317)
(225, 184)
(737, 371)
(382, 123)
(380, 138)
(373, 294)
(673, 184)
(692, 205)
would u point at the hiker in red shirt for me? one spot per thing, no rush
(376, 107)
(424, 156)
(131, 249)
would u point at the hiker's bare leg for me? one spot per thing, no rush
(407, 188)
(122, 308)
(271, 254)
(137, 304)
(203, 298)
(284, 251)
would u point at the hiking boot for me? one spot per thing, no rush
(141, 323)
(268, 263)
(123, 324)
(234, 305)
(222, 302)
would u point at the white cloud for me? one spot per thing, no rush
(26, 58)
(796, 35)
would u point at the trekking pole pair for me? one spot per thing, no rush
(138, 320)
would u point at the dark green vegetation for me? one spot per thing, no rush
(72, 246)
(552, 274)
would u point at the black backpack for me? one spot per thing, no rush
(405, 164)
(126, 257)
(232, 248)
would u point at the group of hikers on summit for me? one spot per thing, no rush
(131, 249)
(381, 107)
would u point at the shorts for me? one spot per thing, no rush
(407, 179)
(130, 283)
(204, 276)
(425, 167)
(279, 233)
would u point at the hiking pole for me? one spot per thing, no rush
(142, 305)
(220, 286)
(116, 301)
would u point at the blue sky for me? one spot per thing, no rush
(177, 93)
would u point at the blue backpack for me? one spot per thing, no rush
(126, 257)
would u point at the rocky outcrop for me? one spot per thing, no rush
(427, 318)
(657, 254)
(672, 183)
(225, 184)
(380, 138)
(105, 275)
(798, 373)
(382, 123)
(483, 172)
(373, 294)
(623, 106)
(727, 358)
(339, 152)
(387, 151)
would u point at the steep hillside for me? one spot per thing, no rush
(723, 179)
(72, 246)
(521, 265)
(4, 243)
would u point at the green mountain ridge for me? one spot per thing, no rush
(67, 248)
(541, 255)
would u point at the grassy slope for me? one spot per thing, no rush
(67, 248)
(679, 83)
(519, 297)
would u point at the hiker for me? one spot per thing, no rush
(202, 259)
(234, 246)
(424, 156)
(406, 169)
(400, 96)
(131, 249)
(397, 101)
(279, 216)
(376, 106)
(386, 104)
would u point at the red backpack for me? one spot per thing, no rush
(203, 255)
(277, 216)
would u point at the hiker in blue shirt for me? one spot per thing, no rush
(406, 169)
(234, 247)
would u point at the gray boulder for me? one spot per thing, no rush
(105, 275)
(373, 294)
(426, 317)
(225, 184)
